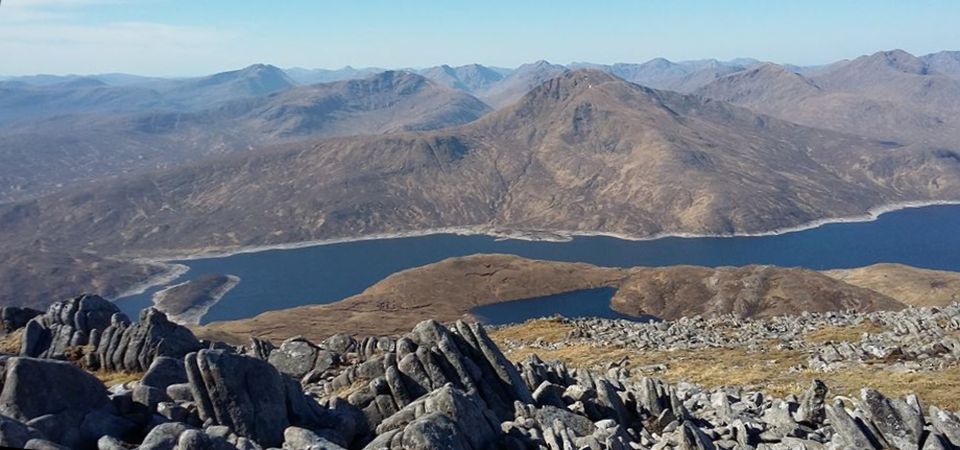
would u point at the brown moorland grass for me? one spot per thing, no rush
(844, 334)
(771, 370)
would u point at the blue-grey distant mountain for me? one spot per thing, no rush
(947, 63)
(313, 76)
(43, 154)
(660, 73)
(472, 78)
(892, 96)
(520, 81)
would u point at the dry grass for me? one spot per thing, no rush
(844, 334)
(10, 343)
(113, 378)
(768, 370)
(551, 330)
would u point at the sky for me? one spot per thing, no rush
(194, 37)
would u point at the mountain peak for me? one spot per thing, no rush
(896, 59)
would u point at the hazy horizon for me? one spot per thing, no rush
(170, 38)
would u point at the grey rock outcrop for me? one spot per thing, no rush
(70, 323)
(61, 401)
(14, 318)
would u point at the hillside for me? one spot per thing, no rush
(751, 291)
(909, 285)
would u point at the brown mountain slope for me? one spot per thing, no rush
(750, 291)
(450, 289)
(909, 285)
(585, 151)
(891, 96)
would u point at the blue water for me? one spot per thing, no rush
(924, 237)
(585, 303)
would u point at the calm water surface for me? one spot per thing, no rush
(924, 237)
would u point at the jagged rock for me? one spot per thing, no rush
(946, 423)
(469, 415)
(110, 443)
(43, 444)
(580, 425)
(434, 431)
(14, 433)
(66, 324)
(163, 372)
(812, 405)
(245, 394)
(340, 343)
(259, 348)
(295, 438)
(900, 424)
(689, 437)
(163, 437)
(180, 392)
(295, 357)
(848, 432)
(14, 318)
(549, 394)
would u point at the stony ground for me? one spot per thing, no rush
(911, 351)
(690, 384)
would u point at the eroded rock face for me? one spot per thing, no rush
(70, 323)
(133, 347)
(108, 339)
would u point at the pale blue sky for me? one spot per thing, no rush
(190, 37)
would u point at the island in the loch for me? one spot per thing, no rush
(449, 290)
(187, 302)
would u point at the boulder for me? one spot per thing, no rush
(243, 393)
(163, 372)
(296, 438)
(14, 433)
(295, 357)
(900, 424)
(66, 404)
(14, 318)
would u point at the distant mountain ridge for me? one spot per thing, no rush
(42, 154)
(891, 96)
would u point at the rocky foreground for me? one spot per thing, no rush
(437, 387)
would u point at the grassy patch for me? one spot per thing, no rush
(113, 378)
(10, 343)
(550, 330)
(844, 334)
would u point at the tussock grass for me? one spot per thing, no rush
(844, 334)
(10, 343)
(114, 378)
(551, 330)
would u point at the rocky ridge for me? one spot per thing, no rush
(435, 387)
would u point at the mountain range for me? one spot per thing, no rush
(251, 157)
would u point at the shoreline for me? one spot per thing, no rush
(171, 272)
(177, 270)
(194, 314)
(871, 215)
